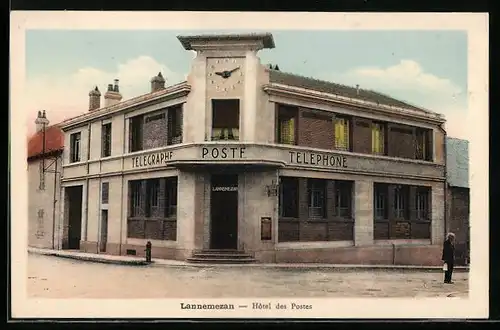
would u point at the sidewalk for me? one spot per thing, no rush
(137, 261)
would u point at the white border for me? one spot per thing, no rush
(476, 25)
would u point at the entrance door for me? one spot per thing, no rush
(74, 217)
(104, 231)
(224, 212)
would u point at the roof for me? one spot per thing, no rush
(290, 79)
(54, 141)
(267, 38)
(457, 162)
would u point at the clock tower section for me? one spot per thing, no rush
(224, 82)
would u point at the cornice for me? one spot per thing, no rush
(315, 96)
(172, 92)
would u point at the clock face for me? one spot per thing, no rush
(225, 75)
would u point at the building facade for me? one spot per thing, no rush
(458, 196)
(44, 164)
(244, 157)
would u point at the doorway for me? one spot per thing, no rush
(224, 212)
(74, 198)
(104, 231)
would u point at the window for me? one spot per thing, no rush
(39, 223)
(317, 198)
(380, 201)
(378, 139)
(105, 193)
(286, 126)
(422, 203)
(341, 127)
(171, 197)
(401, 202)
(106, 140)
(421, 144)
(135, 198)
(41, 170)
(175, 125)
(343, 198)
(289, 197)
(225, 119)
(136, 136)
(75, 146)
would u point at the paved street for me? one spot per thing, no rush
(53, 277)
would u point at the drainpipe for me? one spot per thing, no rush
(87, 185)
(54, 206)
(446, 225)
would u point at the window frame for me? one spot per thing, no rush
(347, 131)
(289, 185)
(316, 195)
(75, 139)
(343, 193)
(380, 128)
(106, 136)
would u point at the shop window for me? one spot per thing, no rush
(343, 199)
(422, 199)
(136, 197)
(342, 133)
(75, 147)
(289, 197)
(225, 119)
(171, 197)
(380, 201)
(401, 199)
(316, 192)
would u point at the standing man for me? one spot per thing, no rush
(448, 257)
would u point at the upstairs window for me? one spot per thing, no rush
(225, 119)
(342, 133)
(75, 146)
(175, 125)
(286, 126)
(106, 140)
(423, 144)
(136, 125)
(378, 139)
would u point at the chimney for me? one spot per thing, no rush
(94, 99)
(41, 121)
(157, 83)
(112, 95)
(357, 89)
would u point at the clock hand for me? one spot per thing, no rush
(237, 68)
(219, 73)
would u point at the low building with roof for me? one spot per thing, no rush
(44, 164)
(244, 162)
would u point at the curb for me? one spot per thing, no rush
(277, 266)
(93, 259)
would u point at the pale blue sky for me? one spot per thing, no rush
(409, 65)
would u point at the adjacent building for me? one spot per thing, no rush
(244, 157)
(458, 195)
(44, 161)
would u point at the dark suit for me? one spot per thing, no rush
(449, 258)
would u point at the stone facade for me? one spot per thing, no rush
(257, 160)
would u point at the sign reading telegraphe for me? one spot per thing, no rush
(159, 158)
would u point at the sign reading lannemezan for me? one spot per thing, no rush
(159, 158)
(319, 159)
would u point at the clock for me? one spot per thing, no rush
(225, 75)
